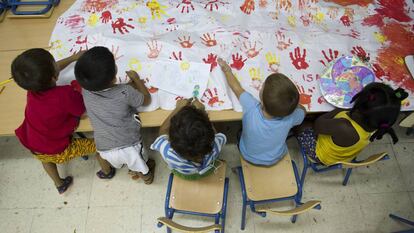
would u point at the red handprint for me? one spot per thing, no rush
(281, 41)
(333, 54)
(115, 51)
(176, 56)
(345, 20)
(379, 72)
(304, 98)
(76, 23)
(212, 60)
(154, 49)
(247, 7)
(250, 50)
(306, 19)
(238, 61)
(299, 60)
(106, 16)
(151, 89)
(263, 3)
(360, 52)
(79, 45)
(185, 42)
(186, 6)
(211, 98)
(121, 26)
(208, 40)
(210, 4)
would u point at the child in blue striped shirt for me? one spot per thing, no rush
(188, 142)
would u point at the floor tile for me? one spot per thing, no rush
(377, 207)
(26, 185)
(52, 220)
(110, 219)
(404, 153)
(15, 220)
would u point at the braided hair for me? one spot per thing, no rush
(379, 106)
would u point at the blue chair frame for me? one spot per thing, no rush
(317, 167)
(14, 4)
(406, 221)
(3, 6)
(297, 197)
(169, 212)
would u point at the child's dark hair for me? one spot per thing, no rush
(95, 70)
(379, 106)
(34, 69)
(280, 96)
(191, 133)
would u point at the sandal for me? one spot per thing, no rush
(110, 175)
(66, 183)
(149, 177)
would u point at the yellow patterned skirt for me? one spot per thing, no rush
(77, 148)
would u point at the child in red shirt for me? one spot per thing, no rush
(52, 114)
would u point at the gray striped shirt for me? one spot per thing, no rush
(111, 113)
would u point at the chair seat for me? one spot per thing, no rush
(266, 183)
(203, 196)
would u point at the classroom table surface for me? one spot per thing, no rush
(18, 35)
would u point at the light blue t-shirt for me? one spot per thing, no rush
(263, 141)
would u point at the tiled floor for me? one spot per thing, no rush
(30, 203)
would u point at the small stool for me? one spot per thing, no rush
(204, 197)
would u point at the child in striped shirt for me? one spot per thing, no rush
(188, 142)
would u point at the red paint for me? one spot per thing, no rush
(238, 61)
(333, 54)
(360, 52)
(374, 20)
(171, 21)
(186, 5)
(151, 89)
(106, 16)
(298, 60)
(211, 4)
(251, 50)
(304, 98)
(282, 42)
(154, 49)
(379, 72)
(393, 9)
(212, 60)
(321, 100)
(121, 26)
(209, 40)
(94, 6)
(76, 23)
(177, 56)
(345, 20)
(351, 2)
(79, 45)
(247, 7)
(211, 98)
(263, 3)
(185, 42)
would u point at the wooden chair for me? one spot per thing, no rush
(403, 220)
(3, 9)
(408, 122)
(31, 8)
(275, 183)
(204, 197)
(318, 167)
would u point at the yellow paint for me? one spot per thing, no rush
(381, 38)
(292, 21)
(272, 59)
(399, 60)
(319, 17)
(135, 65)
(255, 74)
(58, 48)
(184, 65)
(156, 9)
(405, 102)
(129, 8)
(225, 18)
(93, 20)
(238, 77)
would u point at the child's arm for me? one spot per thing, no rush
(166, 124)
(138, 84)
(327, 124)
(231, 79)
(62, 64)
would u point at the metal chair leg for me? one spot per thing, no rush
(348, 174)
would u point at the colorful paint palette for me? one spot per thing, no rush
(343, 79)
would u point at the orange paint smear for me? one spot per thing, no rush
(401, 44)
(351, 2)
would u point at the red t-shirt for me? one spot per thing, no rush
(50, 119)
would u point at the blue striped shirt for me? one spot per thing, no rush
(182, 165)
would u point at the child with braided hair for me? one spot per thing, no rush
(340, 135)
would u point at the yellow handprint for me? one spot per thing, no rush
(319, 17)
(380, 37)
(257, 78)
(292, 21)
(156, 9)
(273, 61)
(135, 65)
(93, 20)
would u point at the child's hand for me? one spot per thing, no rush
(198, 105)
(223, 65)
(182, 103)
(132, 74)
(77, 55)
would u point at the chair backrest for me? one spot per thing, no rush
(265, 183)
(370, 160)
(298, 210)
(180, 228)
(408, 121)
(204, 195)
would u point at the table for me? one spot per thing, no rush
(18, 35)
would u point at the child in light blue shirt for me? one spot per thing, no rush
(266, 124)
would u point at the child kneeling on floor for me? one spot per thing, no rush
(112, 110)
(340, 135)
(52, 113)
(188, 142)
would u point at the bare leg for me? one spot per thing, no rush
(105, 166)
(52, 171)
(300, 128)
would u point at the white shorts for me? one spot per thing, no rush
(133, 156)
